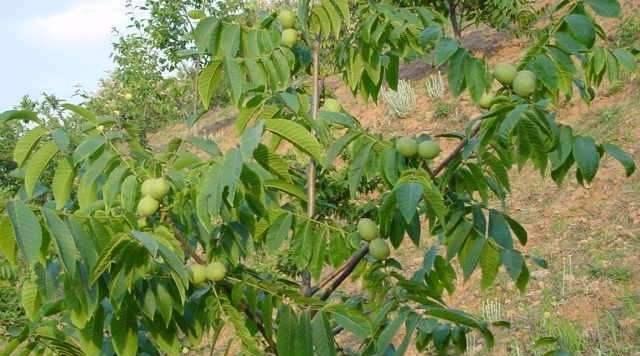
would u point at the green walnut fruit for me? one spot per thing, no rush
(407, 146)
(367, 229)
(379, 249)
(486, 100)
(156, 188)
(287, 18)
(198, 274)
(142, 222)
(525, 83)
(332, 105)
(215, 271)
(289, 37)
(428, 149)
(505, 73)
(196, 14)
(147, 206)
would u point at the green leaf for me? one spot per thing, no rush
(62, 182)
(339, 145)
(63, 240)
(358, 165)
(92, 336)
(26, 143)
(206, 35)
(147, 241)
(108, 255)
(26, 115)
(26, 229)
(434, 198)
(517, 229)
(606, 8)
(351, 319)
(444, 50)
(475, 77)
(129, 194)
(458, 237)
(164, 302)
(408, 195)
(621, 156)
(278, 232)
(411, 325)
(499, 229)
(230, 39)
(470, 254)
(87, 148)
(208, 82)
(112, 186)
(298, 135)
(282, 68)
(272, 162)
(625, 58)
(322, 335)
(303, 342)
(287, 325)
(513, 262)
(8, 246)
(563, 149)
(489, 264)
(586, 155)
(124, 336)
(338, 118)
(30, 298)
(582, 28)
(83, 112)
(256, 73)
(546, 71)
(462, 318)
(386, 336)
(286, 187)
(235, 78)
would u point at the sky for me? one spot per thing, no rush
(55, 46)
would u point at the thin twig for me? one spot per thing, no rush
(350, 266)
(214, 341)
(455, 152)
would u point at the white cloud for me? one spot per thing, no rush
(83, 22)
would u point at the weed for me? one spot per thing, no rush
(442, 109)
(570, 337)
(628, 33)
(615, 273)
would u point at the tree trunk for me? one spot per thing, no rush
(453, 17)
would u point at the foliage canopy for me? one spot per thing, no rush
(97, 266)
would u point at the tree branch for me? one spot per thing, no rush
(455, 151)
(348, 269)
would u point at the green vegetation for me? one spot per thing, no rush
(130, 250)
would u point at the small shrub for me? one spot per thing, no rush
(442, 109)
(569, 335)
(628, 33)
(402, 102)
